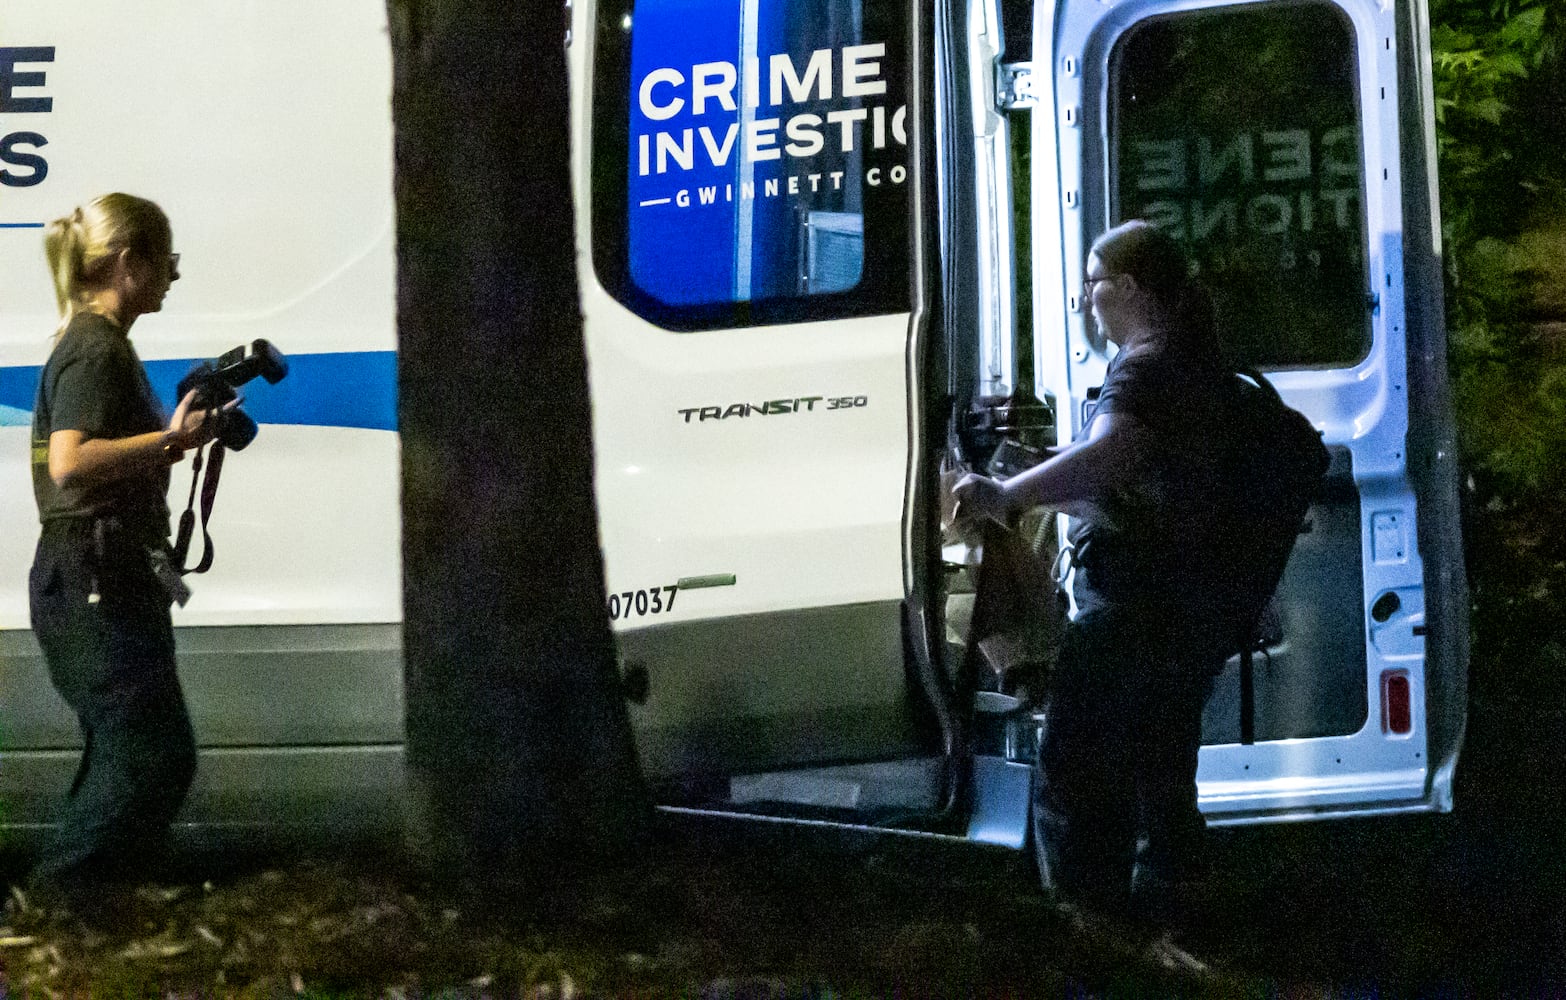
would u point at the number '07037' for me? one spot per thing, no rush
(641, 603)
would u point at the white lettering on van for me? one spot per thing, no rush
(861, 75)
(660, 112)
(718, 155)
(806, 140)
(847, 120)
(780, 80)
(702, 89)
(761, 140)
(818, 73)
(1269, 182)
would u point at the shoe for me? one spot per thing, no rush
(101, 907)
(43, 899)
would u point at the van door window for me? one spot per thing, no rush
(1236, 130)
(750, 160)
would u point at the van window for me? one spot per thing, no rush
(1237, 131)
(750, 160)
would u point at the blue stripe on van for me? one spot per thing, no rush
(347, 389)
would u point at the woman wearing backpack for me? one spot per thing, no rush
(1124, 704)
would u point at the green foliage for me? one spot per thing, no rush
(1494, 61)
(1499, 109)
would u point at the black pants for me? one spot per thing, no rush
(112, 659)
(1115, 817)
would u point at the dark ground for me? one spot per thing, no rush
(1469, 904)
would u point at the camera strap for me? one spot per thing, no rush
(187, 520)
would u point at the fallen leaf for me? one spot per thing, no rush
(142, 950)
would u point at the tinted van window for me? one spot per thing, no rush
(1237, 130)
(750, 160)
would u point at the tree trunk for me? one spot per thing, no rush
(519, 748)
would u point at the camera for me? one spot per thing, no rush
(215, 383)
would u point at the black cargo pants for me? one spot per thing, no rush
(103, 622)
(1116, 824)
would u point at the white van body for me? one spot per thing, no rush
(797, 273)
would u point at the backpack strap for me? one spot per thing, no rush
(1250, 640)
(1247, 694)
(1262, 382)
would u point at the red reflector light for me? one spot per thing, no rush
(1397, 713)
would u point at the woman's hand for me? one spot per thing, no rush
(191, 427)
(982, 497)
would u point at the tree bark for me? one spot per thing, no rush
(520, 754)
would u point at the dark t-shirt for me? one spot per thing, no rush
(93, 382)
(1138, 552)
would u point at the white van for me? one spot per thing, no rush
(808, 287)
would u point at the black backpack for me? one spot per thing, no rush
(1271, 463)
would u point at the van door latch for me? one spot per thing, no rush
(1014, 86)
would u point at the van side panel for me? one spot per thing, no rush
(264, 132)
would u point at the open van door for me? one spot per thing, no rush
(745, 177)
(1290, 146)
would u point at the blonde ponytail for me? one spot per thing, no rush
(78, 245)
(63, 239)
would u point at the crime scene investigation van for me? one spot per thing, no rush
(810, 288)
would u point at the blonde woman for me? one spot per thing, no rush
(100, 462)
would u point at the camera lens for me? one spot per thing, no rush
(236, 429)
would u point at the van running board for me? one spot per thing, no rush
(904, 786)
(905, 789)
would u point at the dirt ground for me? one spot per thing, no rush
(1426, 906)
(1468, 904)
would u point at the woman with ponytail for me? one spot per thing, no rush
(1124, 704)
(101, 452)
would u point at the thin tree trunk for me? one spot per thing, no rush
(519, 747)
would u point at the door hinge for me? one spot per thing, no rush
(1014, 86)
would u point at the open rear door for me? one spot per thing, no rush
(1289, 145)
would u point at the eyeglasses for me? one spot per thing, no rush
(173, 262)
(1091, 280)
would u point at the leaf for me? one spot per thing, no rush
(1509, 64)
(154, 949)
(1445, 38)
(1524, 28)
(1491, 109)
(1459, 60)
